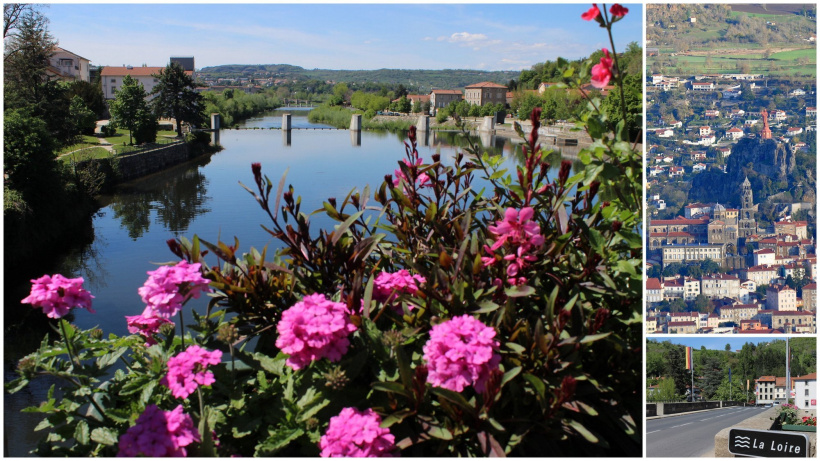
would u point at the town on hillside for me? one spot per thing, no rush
(731, 242)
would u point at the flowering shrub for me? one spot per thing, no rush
(519, 331)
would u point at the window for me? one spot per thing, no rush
(113, 80)
(807, 393)
(113, 89)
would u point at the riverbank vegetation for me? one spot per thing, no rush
(435, 318)
(234, 105)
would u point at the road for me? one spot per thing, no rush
(692, 435)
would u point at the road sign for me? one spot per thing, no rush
(768, 444)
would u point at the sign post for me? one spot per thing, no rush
(768, 444)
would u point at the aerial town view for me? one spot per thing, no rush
(731, 176)
(337, 230)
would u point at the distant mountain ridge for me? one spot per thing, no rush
(425, 79)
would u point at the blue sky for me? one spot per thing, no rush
(336, 36)
(719, 342)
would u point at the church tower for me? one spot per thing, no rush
(746, 222)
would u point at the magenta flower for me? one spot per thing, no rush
(314, 328)
(618, 11)
(146, 326)
(356, 434)
(461, 352)
(159, 433)
(188, 370)
(602, 72)
(591, 13)
(387, 286)
(56, 295)
(422, 180)
(518, 229)
(169, 287)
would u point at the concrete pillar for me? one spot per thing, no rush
(660, 409)
(423, 123)
(356, 122)
(215, 121)
(286, 137)
(355, 137)
(285, 122)
(488, 124)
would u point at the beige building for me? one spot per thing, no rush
(66, 65)
(443, 98)
(795, 322)
(781, 298)
(485, 93)
(720, 286)
(770, 389)
(738, 313)
(684, 253)
(683, 328)
(760, 275)
(112, 78)
(810, 297)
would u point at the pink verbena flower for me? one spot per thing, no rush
(314, 328)
(387, 286)
(517, 228)
(602, 72)
(356, 434)
(591, 13)
(618, 11)
(188, 369)
(56, 295)
(146, 326)
(422, 180)
(159, 433)
(169, 287)
(461, 352)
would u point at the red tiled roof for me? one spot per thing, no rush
(458, 92)
(682, 324)
(653, 284)
(808, 377)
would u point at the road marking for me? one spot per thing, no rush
(680, 425)
(651, 432)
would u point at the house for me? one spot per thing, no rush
(794, 321)
(805, 391)
(485, 93)
(704, 130)
(699, 167)
(792, 131)
(685, 327)
(750, 123)
(810, 297)
(765, 256)
(712, 113)
(112, 77)
(731, 94)
(654, 291)
(697, 155)
(734, 133)
(664, 132)
(725, 151)
(66, 65)
(811, 111)
(797, 92)
(675, 171)
(778, 115)
(737, 113)
(706, 140)
(443, 98)
(703, 86)
(781, 298)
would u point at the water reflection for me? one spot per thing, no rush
(177, 196)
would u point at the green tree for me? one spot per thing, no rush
(702, 304)
(403, 105)
(28, 150)
(666, 391)
(90, 93)
(175, 97)
(633, 94)
(416, 106)
(84, 118)
(128, 109)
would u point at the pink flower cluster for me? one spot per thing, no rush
(188, 369)
(461, 352)
(356, 434)
(168, 287)
(312, 329)
(422, 180)
(159, 433)
(602, 72)
(388, 286)
(146, 326)
(56, 295)
(522, 234)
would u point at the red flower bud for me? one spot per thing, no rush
(618, 11)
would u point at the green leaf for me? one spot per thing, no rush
(537, 384)
(591, 338)
(391, 387)
(455, 398)
(437, 431)
(105, 436)
(396, 417)
(520, 291)
(509, 375)
(583, 431)
(279, 193)
(486, 306)
(278, 439)
(339, 231)
(81, 432)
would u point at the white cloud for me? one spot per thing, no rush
(467, 37)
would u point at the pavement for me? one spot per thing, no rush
(692, 434)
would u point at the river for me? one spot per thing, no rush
(204, 198)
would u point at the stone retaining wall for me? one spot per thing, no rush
(143, 163)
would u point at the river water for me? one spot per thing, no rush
(203, 197)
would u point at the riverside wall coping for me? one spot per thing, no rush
(762, 422)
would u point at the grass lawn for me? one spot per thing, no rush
(86, 154)
(85, 141)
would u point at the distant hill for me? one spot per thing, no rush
(416, 78)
